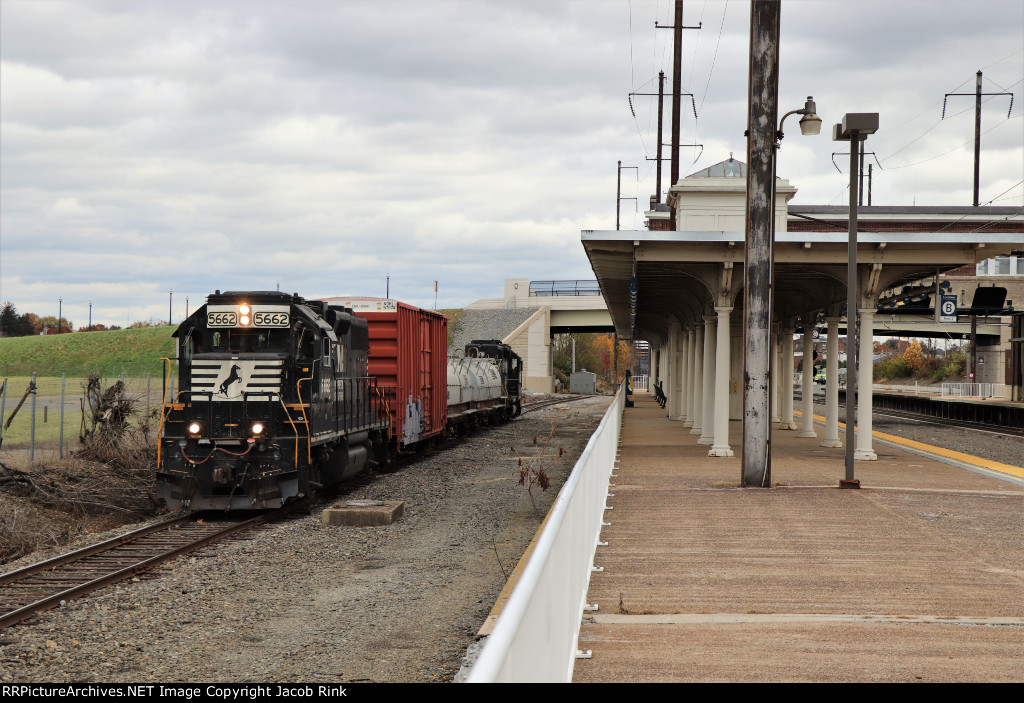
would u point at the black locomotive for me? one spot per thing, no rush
(273, 401)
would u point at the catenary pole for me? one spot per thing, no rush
(762, 118)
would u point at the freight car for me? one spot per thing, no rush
(277, 396)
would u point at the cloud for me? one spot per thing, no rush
(319, 146)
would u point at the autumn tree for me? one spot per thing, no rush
(913, 357)
(49, 323)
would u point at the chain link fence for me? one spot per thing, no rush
(43, 418)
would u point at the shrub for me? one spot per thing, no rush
(888, 369)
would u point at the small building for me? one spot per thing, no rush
(583, 382)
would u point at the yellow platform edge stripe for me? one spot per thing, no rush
(975, 461)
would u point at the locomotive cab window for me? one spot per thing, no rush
(305, 343)
(188, 346)
(249, 340)
(327, 351)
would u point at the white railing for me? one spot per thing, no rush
(974, 390)
(641, 383)
(535, 637)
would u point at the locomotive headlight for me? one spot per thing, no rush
(194, 428)
(243, 310)
(243, 314)
(257, 428)
(244, 319)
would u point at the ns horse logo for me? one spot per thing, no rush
(232, 377)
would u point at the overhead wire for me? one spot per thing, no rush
(707, 85)
(988, 224)
(961, 146)
(1010, 56)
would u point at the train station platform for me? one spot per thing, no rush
(917, 576)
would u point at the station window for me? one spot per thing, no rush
(1002, 266)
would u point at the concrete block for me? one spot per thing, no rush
(364, 513)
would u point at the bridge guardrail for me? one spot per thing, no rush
(535, 637)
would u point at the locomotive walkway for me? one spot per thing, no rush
(917, 576)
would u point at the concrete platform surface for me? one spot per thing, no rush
(917, 576)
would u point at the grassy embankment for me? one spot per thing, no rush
(134, 353)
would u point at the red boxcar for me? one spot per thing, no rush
(409, 357)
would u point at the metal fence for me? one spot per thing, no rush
(553, 288)
(535, 636)
(48, 414)
(641, 383)
(974, 390)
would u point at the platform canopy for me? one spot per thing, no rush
(682, 275)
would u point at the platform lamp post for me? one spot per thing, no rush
(855, 128)
(89, 328)
(170, 301)
(60, 308)
(758, 278)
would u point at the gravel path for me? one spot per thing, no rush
(306, 602)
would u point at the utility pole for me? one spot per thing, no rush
(677, 88)
(870, 167)
(762, 118)
(860, 186)
(618, 193)
(677, 91)
(661, 112)
(977, 126)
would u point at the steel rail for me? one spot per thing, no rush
(945, 422)
(47, 575)
(541, 404)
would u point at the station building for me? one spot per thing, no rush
(682, 290)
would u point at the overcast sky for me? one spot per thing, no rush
(319, 146)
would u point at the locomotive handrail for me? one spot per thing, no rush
(163, 415)
(309, 422)
(294, 429)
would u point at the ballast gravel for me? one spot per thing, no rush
(306, 602)
(490, 323)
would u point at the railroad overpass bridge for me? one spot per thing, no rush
(560, 307)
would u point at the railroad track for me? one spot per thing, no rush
(47, 584)
(540, 404)
(930, 420)
(962, 424)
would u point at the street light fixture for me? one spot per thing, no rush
(810, 123)
(855, 128)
